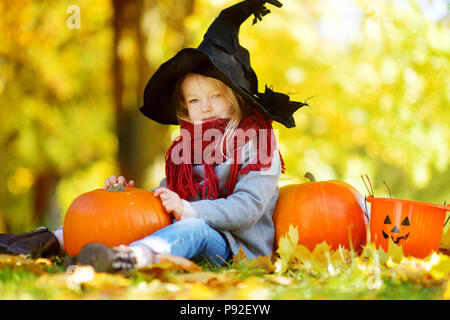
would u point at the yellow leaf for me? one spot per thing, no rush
(445, 240)
(239, 256)
(200, 291)
(383, 256)
(282, 280)
(167, 264)
(107, 282)
(208, 278)
(253, 288)
(447, 292)
(288, 243)
(395, 251)
(179, 263)
(260, 263)
(321, 251)
(302, 253)
(287, 250)
(441, 270)
(43, 261)
(264, 263)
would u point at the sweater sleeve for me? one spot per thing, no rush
(251, 196)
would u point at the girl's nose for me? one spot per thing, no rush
(206, 107)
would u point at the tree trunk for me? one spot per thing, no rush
(141, 140)
(45, 207)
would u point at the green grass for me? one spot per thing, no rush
(294, 274)
(25, 283)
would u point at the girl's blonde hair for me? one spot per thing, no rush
(238, 111)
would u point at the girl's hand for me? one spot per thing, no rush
(112, 181)
(170, 201)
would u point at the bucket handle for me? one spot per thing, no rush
(445, 203)
(366, 212)
(372, 194)
(389, 190)
(370, 191)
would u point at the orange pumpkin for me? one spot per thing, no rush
(114, 216)
(322, 211)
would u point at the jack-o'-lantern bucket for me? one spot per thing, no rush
(415, 226)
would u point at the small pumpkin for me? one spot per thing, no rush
(113, 216)
(328, 211)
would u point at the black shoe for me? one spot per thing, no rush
(35, 244)
(105, 259)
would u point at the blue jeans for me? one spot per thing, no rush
(189, 238)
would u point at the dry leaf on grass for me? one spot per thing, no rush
(260, 264)
(168, 264)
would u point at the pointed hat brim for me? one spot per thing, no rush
(160, 102)
(224, 59)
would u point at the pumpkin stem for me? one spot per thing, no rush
(310, 176)
(117, 187)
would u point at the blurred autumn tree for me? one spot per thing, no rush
(56, 123)
(380, 98)
(376, 76)
(141, 141)
(69, 100)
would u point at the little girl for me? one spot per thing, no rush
(222, 171)
(218, 207)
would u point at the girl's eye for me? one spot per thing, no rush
(193, 101)
(215, 96)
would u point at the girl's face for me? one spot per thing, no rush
(206, 98)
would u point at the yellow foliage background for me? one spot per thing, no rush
(375, 74)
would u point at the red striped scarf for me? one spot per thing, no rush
(197, 144)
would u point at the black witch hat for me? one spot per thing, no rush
(225, 59)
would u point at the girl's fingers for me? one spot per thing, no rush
(168, 207)
(168, 196)
(168, 203)
(177, 216)
(165, 195)
(160, 190)
(112, 180)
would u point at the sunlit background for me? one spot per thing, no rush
(375, 74)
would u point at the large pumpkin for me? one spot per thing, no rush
(114, 216)
(322, 211)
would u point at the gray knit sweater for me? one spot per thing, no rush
(245, 217)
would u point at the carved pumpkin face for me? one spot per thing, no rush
(396, 231)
